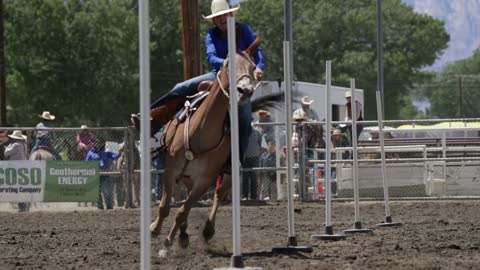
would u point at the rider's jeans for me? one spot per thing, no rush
(183, 89)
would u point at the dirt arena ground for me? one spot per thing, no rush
(434, 235)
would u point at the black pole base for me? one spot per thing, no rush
(358, 229)
(236, 261)
(292, 247)
(389, 223)
(329, 235)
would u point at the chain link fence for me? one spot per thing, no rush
(425, 158)
(119, 176)
(430, 159)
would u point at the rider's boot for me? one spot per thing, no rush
(159, 116)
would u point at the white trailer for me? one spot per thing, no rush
(317, 93)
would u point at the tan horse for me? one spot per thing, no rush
(197, 159)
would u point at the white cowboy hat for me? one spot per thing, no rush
(47, 116)
(348, 94)
(220, 7)
(17, 134)
(306, 100)
(83, 127)
(337, 132)
(263, 112)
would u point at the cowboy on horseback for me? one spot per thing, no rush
(164, 108)
(42, 138)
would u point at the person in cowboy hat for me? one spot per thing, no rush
(16, 146)
(16, 149)
(42, 138)
(264, 117)
(216, 42)
(339, 140)
(305, 113)
(85, 141)
(348, 114)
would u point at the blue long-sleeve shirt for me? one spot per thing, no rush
(103, 157)
(217, 46)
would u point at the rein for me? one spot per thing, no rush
(225, 92)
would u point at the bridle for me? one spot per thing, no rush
(225, 64)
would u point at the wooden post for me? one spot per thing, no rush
(3, 110)
(190, 39)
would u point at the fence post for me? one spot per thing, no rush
(129, 167)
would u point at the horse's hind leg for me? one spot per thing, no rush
(209, 229)
(163, 208)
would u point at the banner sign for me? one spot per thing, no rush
(49, 181)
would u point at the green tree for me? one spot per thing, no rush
(455, 91)
(345, 32)
(77, 59)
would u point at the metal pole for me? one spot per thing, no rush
(288, 120)
(292, 245)
(328, 190)
(388, 218)
(382, 154)
(301, 160)
(236, 260)
(380, 56)
(144, 36)
(288, 71)
(353, 106)
(356, 194)
(329, 235)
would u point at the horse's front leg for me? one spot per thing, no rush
(220, 192)
(163, 208)
(181, 217)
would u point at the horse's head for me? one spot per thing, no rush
(245, 67)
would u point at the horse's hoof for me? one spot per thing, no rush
(167, 242)
(183, 240)
(154, 230)
(163, 253)
(208, 230)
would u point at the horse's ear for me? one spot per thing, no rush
(253, 47)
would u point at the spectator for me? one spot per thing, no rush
(98, 153)
(339, 140)
(16, 149)
(249, 178)
(3, 143)
(348, 115)
(265, 117)
(85, 141)
(268, 178)
(306, 112)
(43, 139)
